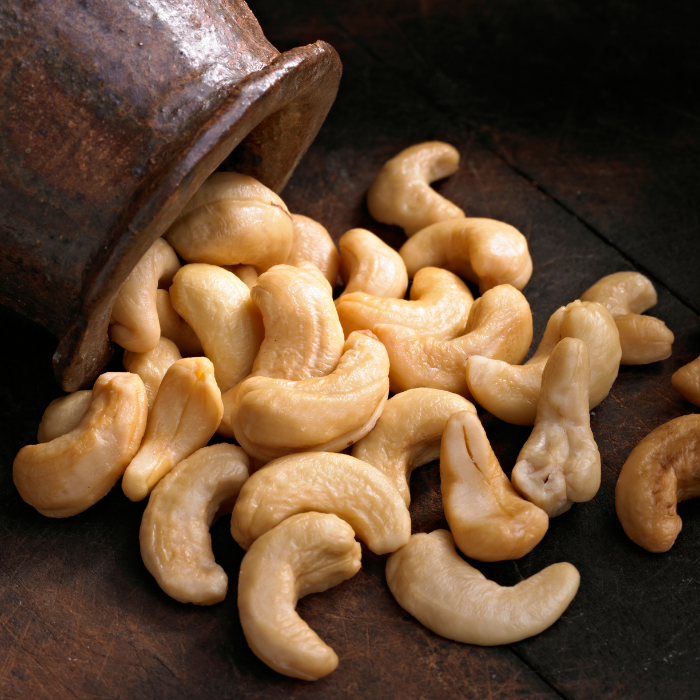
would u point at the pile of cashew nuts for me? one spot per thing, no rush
(246, 340)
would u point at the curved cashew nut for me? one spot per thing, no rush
(489, 520)
(175, 328)
(484, 251)
(453, 599)
(324, 482)
(63, 415)
(401, 192)
(560, 464)
(67, 475)
(185, 414)
(369, 265)
(220, 310)
(686, 380)
(627, 295)
(152, 365)
(408, 434)
(313, 243)
(662, 469)
(275, 417)
(233, 219)
(511, 392)
(174, 537)
(246, 273)
(134, 323)
(308, 553)
(499, 326)
(439, 305)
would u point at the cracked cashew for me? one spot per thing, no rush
(152, 365)
(313, 243)
(63, 415)
(175, 328)
(686, 380)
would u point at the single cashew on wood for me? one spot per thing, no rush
(489, 520)
(627, 295)
(499, 326)
(174, 536)
(401, 192)
(175, 328)
(324, 482)
(152, 365)
(63, 415)
(686, 380)
(439, 305)
(511, 391)
(453, 599)
(67, 475)
(662, 469)
(313, 243)
(185, 414)
(308, 553)
(408, 434)
(560, 464)
(483, 251)
(233, 219)
(134, 323)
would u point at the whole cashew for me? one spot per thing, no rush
(453, 599)
(134, 323)
(511, 392)
(499, 326)
(489, 520)
(175, 328)
(627, 295)
(63, 415)
(483, 251)
(408, 434)
(686, 380)
(560, 464)
(152, 365)
(174, 536)
(185, 414)
(70, 473)
(308, 553)
(233, 219)
(313, 243)
(662, 469)
(324, 482)
(401, 192)
(439, 305)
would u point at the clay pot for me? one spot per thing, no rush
(114, 112)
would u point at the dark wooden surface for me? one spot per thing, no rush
(579, 123)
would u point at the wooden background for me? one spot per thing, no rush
(579, 123)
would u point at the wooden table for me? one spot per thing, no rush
(578, 123)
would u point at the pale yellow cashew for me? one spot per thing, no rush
(134, 323)
(175, 328)
(152, 365)
(70, 473)
(439, 306)
(174, 537)
(489, 520)
(185, 414)
(408, 434)
(560, 464)
(401, 192)
(313, 243)
(63, 415)
(484, 251)
(511, 392)
(233, 219)
(499, 326)
(324, 482)
(686, 380)
(627, 295)
(663, 469)
(453, 599)
(246, 273)
(308, 553)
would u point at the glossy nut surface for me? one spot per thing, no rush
(686, 381)
(175, 328)
(313, 243)
(63, 415)
(152, 365)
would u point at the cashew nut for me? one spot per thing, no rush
(662, 469)
(185, 414)
(65, 476)
(220, 310)
(174, 537)
(313, 243)
(626, 295)
(369, 265)
(233, 219)
(401, 192)
(483, 251)
(134, 322)
(489, 520)
(560, 464)
(511, 392)
(453, 599)
(324, 482)
(686, 380)
(63, 415)
(439, 305)
(152, 365)
(308, 553)
(175, 328)
(499, 326)
(408, 434)
(246, 273)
